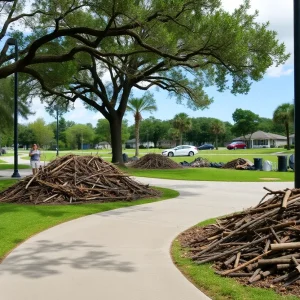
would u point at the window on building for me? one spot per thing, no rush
(260, 142)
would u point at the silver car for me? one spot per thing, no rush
(182, 150)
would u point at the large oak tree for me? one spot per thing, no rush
(110, 48)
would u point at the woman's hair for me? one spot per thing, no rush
(34, 145)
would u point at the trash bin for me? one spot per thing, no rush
(125, 158)
(292, 161)
(282, 163)
(258, 164)
(267, 165)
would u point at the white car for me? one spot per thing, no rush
(181, 150)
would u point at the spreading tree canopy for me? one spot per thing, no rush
(246, 122)
(110, 48)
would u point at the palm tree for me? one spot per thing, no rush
(137, 105)
(182, 123)
(217, 127)
(284, 114)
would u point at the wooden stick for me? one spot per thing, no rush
(236, 263)
(275, 235)
(285, 198)
(33, 177)
(267, 246)
(50, 198)
(273, 261)
(284, 246)
(246, 264)
(252, 278)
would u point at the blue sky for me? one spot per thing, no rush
(264, 97)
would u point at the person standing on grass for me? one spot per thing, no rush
(35, 155)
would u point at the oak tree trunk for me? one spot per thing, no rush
(116, 139)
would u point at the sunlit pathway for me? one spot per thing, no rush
(121, 254)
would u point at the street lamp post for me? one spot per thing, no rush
(147, 141)
(57, 151)
(14, 42)
(297, 91)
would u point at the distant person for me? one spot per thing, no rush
(35, 155)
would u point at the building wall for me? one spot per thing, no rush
(280, 143)
(267, 143)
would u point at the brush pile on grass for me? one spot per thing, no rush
(260, 245)
(239, 163)
(155, 161)
(77, 179)
(200, 162)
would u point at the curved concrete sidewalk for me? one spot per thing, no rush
(10, 159)
(121, 254)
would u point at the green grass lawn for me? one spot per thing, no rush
(202, 174)
(215, 286)
(226, 158)
(2, 161)
(4, 184)
(11, 166)
(222, 155)
(19, 222)
(212, 174)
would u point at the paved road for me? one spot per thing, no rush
(121, 254)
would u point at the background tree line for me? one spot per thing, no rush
(180, 129)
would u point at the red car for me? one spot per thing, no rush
(236, 145)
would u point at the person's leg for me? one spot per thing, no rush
(32, 166)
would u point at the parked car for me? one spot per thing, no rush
(181, 150)
(206, 147)
(236, 145)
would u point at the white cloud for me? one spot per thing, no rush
(279, 71)
(82, 115)
(39, 112)
(280, 15)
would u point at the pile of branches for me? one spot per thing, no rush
(76, 179)
(258, 244)
(239, 163)
(155, 161)
(199, 162)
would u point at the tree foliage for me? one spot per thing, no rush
(78, 135)
(217, 128)
(99, 51)
(284, 114)
(7, 104)
(42, 133)
(103, 134)
(246, 122)
(154, 130)
(182, 123)
(137, 106)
